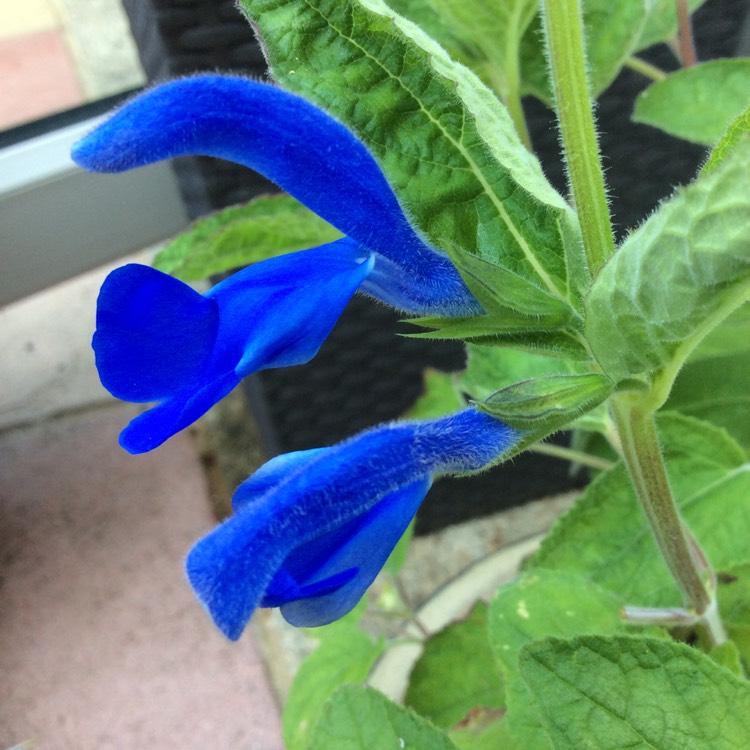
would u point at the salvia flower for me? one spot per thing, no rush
(157, 340)
(312, 529)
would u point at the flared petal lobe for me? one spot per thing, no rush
(312, 529)
(159, 340)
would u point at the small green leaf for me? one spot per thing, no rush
(345, 658)
(734, 605)
(605, 536)
(549, 402)
(535, 606)
(242, 235)
(360, 718)
(737, 132)
(456, 673)
(697, 103)
(676, 277)
(635, 692)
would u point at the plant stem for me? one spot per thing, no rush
(645, 68)
(563, 25)
(572, 455)
(685, 41)
(645, 462)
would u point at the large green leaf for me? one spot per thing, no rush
(697, 103)
(345, 655)
(605, 537)
(535, 606)
(445, 142)
(716, 389)
(359, 718)
(456, 674)
(636, 693)
(242, 235)
(676, 277)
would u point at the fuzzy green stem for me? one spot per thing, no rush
(563, 25)
(645, 463)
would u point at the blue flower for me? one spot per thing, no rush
(312, 529)
(157, 340)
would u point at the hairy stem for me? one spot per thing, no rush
(645, 463)
(563, 25)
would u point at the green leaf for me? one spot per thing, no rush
(734, 605)
(737, 132)
(549, 402)
(535, 606)
(456, 673)
(697, 103)
(345, 658)
(661, 22)
(605, 537)
(732, 336)
(716, 389)
(728, 655)
(484, 731)
(360, 718)
(676, 277)
(242, 235)
(444, 141)
(482, 36)
(628, 692)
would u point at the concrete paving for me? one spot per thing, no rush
(102, 644)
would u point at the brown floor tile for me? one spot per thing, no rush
(37, 78)
(102, 646)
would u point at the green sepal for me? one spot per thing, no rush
(697, 103)
(501, 290)
(622, 691)
(241, 235)
(548, 402)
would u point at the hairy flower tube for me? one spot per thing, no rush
(312, 529)
(156, 340)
